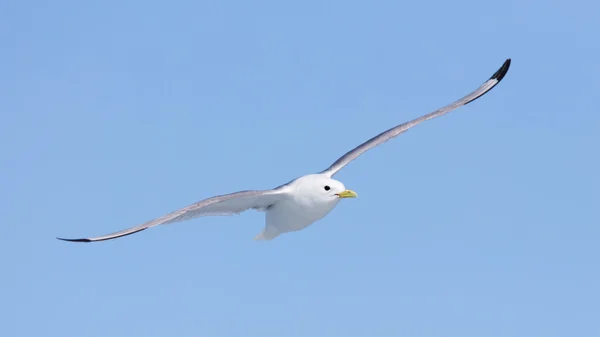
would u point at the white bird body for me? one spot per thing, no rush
(304, 201)
(299, 203)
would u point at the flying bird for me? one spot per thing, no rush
(301, 202)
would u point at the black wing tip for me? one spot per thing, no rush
(104, 239)
(75, 240)
(499, 75)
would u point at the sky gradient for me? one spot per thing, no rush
(483, 222)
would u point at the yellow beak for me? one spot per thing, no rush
(347, 194)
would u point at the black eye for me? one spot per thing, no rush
(327, 188)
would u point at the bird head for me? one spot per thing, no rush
(322, 188)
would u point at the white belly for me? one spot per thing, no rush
(293, 215)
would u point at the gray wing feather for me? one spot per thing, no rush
(227, 204)
(395, 131)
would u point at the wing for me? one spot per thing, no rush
(227, 204)
(395, 131)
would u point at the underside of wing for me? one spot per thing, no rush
(228, 204)
(395, 131)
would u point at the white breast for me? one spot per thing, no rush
(293, 214)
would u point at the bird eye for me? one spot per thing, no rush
(327, 188)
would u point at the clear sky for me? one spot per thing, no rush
(483, 222)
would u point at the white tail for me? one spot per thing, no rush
(268, 233)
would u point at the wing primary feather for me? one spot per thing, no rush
(104, 238)
(499, 75)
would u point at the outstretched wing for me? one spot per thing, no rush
(395, 131)
(227, 204)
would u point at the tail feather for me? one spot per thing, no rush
(268, 233)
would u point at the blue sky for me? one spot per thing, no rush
(483, 222)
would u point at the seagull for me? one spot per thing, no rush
(301, 202)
